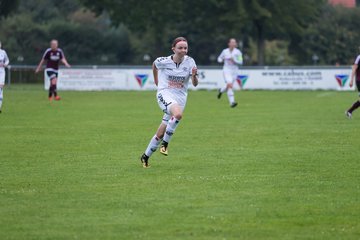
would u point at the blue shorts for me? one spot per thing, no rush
(51, 74)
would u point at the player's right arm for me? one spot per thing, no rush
(65, 62)
(63, 59)
(159, 63)
(221, 57)
(353, 72)
(45, 56)
(155, 73)
(39, 66)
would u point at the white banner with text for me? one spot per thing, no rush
(266, 79)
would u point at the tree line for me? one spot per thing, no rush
(270, 32)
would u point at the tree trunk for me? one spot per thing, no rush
(260, 44)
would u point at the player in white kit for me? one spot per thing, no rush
(171, 75)
(4, 62)
(231, 57)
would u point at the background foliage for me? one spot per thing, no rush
(277, 32)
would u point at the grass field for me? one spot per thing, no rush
(283, 165)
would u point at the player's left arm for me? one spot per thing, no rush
(7, 61)
(65, 62)
(238, 58)
(194, 76)
(63, 59)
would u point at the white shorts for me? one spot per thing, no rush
(2, 77)
(166, 100)
(230, 76)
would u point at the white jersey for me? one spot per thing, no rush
(231, 59)
(174, 78)
(4, 60)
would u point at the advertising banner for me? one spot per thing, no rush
(296, 79)
(90, 79)
(209, 79)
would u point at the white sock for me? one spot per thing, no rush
(230, 94)
(170, 128)
(153, 145)
(223, 89)
(1, 97)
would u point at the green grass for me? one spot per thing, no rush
(283, 165)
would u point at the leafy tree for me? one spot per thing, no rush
(206, 23)
(86, 39)
(124, 30)
(141, 17)
(334, 41)
(85, 44)
(279, 19)
(8, 6)
(22, 38)
(216, 20)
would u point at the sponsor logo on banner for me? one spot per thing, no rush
(141, 79)
(241, 79)
(341, 79)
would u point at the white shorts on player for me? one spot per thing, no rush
(166, 99)
(230, 75)
(2, 77)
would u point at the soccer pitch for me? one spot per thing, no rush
(282, 165)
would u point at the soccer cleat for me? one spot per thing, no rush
(57, 98)
(219, 94)
(348, 115)
(163, 148)
(234, 104)
(50, 99)
(145, 161)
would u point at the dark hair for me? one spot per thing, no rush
(178, 39)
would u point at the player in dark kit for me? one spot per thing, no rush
(53, 56)
(355, 74)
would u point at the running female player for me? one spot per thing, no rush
(171, 76)
(4, 62)
(53, 56)
(231, 57)
(355, 74)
